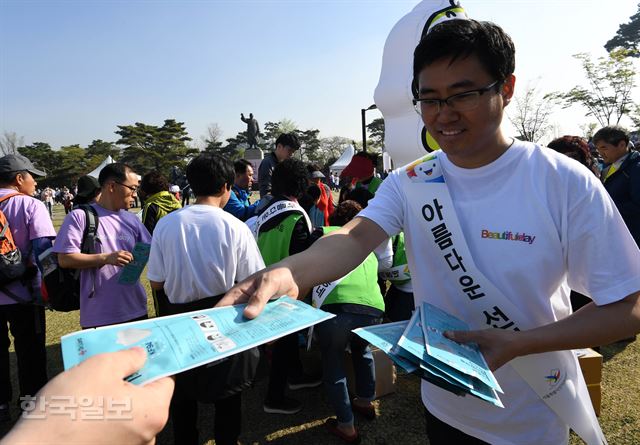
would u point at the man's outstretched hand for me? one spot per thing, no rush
(259, 288)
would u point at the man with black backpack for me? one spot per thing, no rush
(104, 298)
(26, 232)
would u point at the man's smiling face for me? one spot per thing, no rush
(470, 138)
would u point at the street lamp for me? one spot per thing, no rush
(364, 127)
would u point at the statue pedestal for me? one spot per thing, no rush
(255, 156)
(253, 153)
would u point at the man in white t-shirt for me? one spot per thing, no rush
(536, 224)
(197, 254)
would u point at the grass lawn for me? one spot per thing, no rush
(401, 418)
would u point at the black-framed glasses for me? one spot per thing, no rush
(464, 101)
(134, 188)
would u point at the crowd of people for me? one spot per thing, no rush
(354, 258)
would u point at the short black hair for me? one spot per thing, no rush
(7, 178)
(288, 140)
(154, 182)
(116, 171)
(240, 166)
(289, 178)
(459, 39)
(611, 135)
(361, 195)
(208, 172)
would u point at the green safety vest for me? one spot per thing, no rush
(274, 243)
(400, 258)
(373, 185)
(360, 286)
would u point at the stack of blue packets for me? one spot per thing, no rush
(418, 346)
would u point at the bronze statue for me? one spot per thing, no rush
(253, 130)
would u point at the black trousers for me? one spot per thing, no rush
(27, 325)
(226, 422)
(184, 408)
(440, 433)
(398, 305)
(285, 363)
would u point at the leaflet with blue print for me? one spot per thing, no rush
(414, 343)
(180, 342)
(411, 346)
(131, 272)
(385, 337)
(466, 358)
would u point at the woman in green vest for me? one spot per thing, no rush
(356, 301)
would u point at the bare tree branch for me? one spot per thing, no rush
(530, 114)
(9, 143)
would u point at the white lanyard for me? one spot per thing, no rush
(279, 208)
(318, 295)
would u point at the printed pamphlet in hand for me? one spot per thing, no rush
(180, 342)
(457, 368)
(131, 272)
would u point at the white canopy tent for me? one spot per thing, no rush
(343, 160)
(96, 172)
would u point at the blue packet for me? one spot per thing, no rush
(131, 272)
(180, 342)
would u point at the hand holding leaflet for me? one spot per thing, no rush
(459, 369)
(180, 342)
(131, 272)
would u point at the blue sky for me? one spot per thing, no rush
(70, 71)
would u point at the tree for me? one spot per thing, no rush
(172, 140)
(376, 132)
(213, 139)
(333, 146)
(628, 36)
(101, 149)
(41, 154)
(235, 147)
(272, 130)
(9, 143)
(588, 130)
(611, 80)
(530, 115)
(71, 163)
(309, 145)
(148, 147)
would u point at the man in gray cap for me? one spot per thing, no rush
(32, 232)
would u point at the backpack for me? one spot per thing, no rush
(11, 265)
(60, 286)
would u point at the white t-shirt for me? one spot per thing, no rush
(201, 251)
(580, 241)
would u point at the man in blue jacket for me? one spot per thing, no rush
(238, 204)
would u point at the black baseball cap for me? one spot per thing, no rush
(87, 186)
(18, 163)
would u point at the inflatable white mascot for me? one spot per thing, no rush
(405, 137)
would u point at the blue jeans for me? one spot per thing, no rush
(334, 335)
